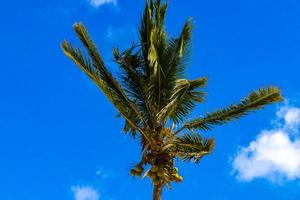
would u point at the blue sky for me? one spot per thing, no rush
(59, 135)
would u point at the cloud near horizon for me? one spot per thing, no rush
(85, 193)
(275, 154)
(98, 3)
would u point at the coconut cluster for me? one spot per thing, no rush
(159, 175)
(137, 171)
(175, 176)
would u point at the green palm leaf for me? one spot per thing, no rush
(106, 76)
(254, 101)
(85, 64)
(184, 97)
(192, 147)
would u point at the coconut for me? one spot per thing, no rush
(160, 173)
(173, 175)
(138, 173)
(154, 168)
(139, 169)
(179, 178)
(133, 172)
(152, 175)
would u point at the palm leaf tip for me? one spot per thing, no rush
(198, 83)
(79, 28)
(76, 55)
(185, 36)
(262, 97)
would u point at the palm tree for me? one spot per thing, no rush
(155, 98)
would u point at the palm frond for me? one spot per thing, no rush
(164, 58)
(134, 81)
(104, 74)
(185, 95)
(154, 44)
(178, 51)
(254, 101)
(85, 65)
(158, 43)
(145, 32)
(174, 62)
(192, 147)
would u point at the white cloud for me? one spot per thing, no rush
(291, 116)
(275, 154)
(97, 3)
(85, 193)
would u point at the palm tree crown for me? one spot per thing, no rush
(154, 96)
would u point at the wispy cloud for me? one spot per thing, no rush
(98, 3)
(291, 116)
(85, 193)
(114, 33)
(275, 154)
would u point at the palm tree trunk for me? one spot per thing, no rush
(157, 191)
